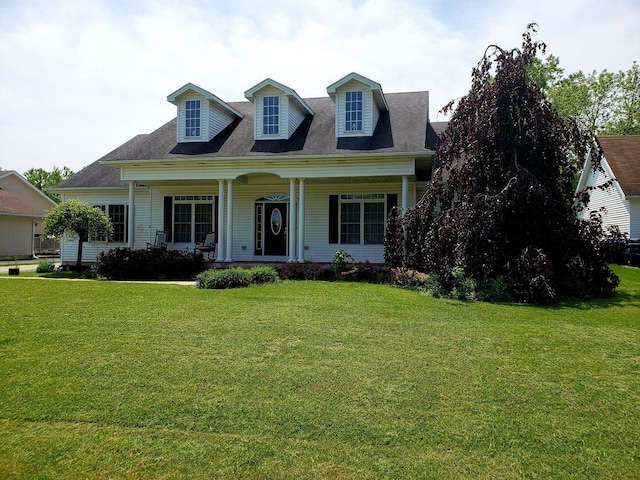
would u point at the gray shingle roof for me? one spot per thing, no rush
(403, 129)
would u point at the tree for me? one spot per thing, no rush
(502, 206)
(604, 102)
(42, 179)
(77, 219)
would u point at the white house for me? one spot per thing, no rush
(277, 177)
(22, 208)
(619, 205)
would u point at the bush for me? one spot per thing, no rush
(363, 272)
(127, 264)
(308, 270)
(340, 264)
(235, 277)
(615, 247)
(227, 278)
(260, 275)
(45, 266)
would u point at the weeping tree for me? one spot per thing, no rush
(77, 219)
(502, 204)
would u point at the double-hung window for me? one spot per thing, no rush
(270, 115)
(192, 118)
(353, 111)
(192, 218)
(118, 215)
(362, 218)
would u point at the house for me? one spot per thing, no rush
(277, 177)
(22, 208)
(620, 205)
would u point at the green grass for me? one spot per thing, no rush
(313, 380)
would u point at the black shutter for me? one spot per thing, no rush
(392, 201)
(168, 218)
(333, 219)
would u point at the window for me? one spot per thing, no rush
(192, 116)
(271, 115)
(353, 111)
(192, 218)
(118, 216)
(362, 218)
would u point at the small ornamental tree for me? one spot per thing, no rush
(502, 205)
(77, 219)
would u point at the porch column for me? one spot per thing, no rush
(301, 223)
(220, 227)
(229, 221)
(292, 220)
(405, 194)
(132, 215)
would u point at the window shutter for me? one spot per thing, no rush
(168, 218)
(392, 201)
(333, 218)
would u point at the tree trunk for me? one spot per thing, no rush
(79, 259)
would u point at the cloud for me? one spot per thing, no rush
(78, 78)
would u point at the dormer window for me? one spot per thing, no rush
(201, 115)
(359, 104)
(271, 115)
(278, 110)
(353, 111)
(192, 118)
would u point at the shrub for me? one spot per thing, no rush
(615, 246)
(363, 272)
(45, 266)
(226, 278)
(263, 274)
(124, 264)
(236, 277)
(308, 270)
(341, 260)
(409, 278)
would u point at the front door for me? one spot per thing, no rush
(271, 228)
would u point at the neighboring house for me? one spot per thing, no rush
(22, 208)
(620, 204)
(277, 177)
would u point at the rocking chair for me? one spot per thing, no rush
(160, 241)
(209, 245)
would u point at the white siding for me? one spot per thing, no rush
(616, 210)
(219, 119)
(296, 116)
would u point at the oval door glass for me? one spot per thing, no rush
(276, 221)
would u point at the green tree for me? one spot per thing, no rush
(625, 111)
(502, 207)
(603, 102)
(77, 219)
(42, 179)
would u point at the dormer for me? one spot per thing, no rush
(359, 103)
(279, 110)
(201, 115)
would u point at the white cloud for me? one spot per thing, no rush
(79, 78)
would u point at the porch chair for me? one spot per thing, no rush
(209, 245)
(160, 241)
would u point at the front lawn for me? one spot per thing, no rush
(313, 380)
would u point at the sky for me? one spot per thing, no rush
(79, 78)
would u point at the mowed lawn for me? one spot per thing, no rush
(311, 380)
